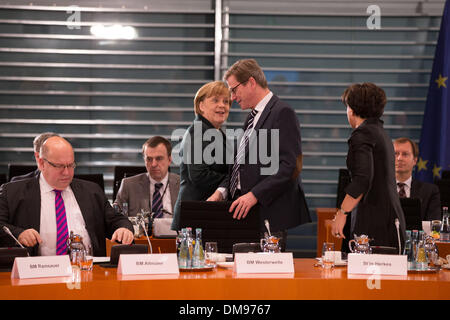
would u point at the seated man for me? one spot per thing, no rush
(42, 211)
(156, 190)
(406, 155)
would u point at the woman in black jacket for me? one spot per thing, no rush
(204, 148)
(371, 197)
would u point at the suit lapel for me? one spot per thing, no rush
(145, 189)
(266, 112)
(414, 192)
(173, 190)
(35, 208)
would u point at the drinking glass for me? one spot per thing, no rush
(88, 261)
(211, 253)
(328, 255)
(436, 229)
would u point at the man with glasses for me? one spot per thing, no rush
(157, 189)
(278, 195)
(42, 211)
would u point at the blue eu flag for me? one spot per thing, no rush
(435, 137)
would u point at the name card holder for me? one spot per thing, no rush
(263, 263)
(166, 263)
(380, 264)
(41, 267)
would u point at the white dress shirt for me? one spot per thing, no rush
(165, 193)
(407, 187)
(75, 220)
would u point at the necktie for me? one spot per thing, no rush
(62, 232)
(241, 153)
(157, 201)
(401, 191)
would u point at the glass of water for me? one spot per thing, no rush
(88, 261)
(211, 253)
(328, 255)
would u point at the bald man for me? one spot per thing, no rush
(42, 211)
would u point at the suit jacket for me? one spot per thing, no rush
(136, 191)
(371, 164)
(200, 178)
(281, 199)
(430, 200)
(20, 205)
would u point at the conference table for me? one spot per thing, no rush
(308, 282)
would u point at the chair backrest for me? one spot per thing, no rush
(218, 224)
(15, 170)
(246, 247)
(411, 209)
(444, 190)
(3, 178)
(343, 180)
(94, 177)
(445, 175)
(121, 172)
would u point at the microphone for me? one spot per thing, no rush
(397, 225)
(142, 223)
(9, 233)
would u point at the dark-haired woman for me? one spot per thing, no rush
(371, 197)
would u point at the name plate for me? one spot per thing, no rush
(383, 264)
(148, 264)
(41, 267)
(264, 263)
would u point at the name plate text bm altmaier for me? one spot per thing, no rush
(41, 267)
(165, 263)
(264, 262)
(383, 264)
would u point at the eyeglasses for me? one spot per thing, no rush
(233, 90)
(62, 166)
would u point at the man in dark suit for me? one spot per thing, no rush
(41, 211)
(275, 186)
(137, 190)
(37, 144)
(406, 155)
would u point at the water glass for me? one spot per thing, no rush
(436, 229)
(88, 261)
(211, 253)
(328, 255)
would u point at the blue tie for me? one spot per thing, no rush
(157, 201)
(241, 153)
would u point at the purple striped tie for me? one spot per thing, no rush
(62, 232)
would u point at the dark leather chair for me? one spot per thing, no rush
(444, 190)
(3, 178)
(19, 170)
(94, 177)
(343, 180)
(121, 172)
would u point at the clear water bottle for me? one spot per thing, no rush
(409, 252)
(183, 252)
(421, 255)
(445, 227)
(190, 245)
(179, 239)
(198, 258)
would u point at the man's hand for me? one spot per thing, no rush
(243, 204)
(216, 196)
(123, 235)
(29, 238)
